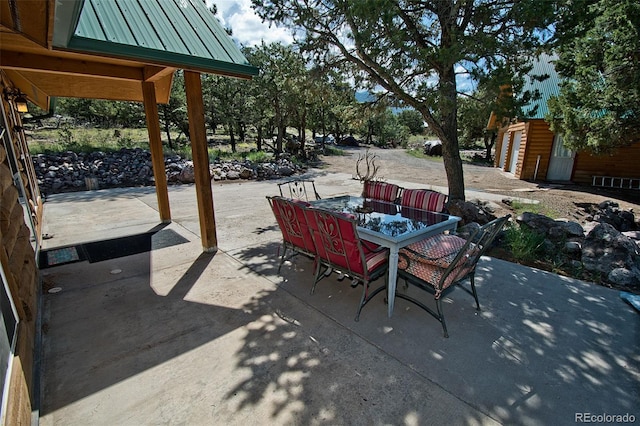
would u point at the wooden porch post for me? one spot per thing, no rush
(155, 144)
(198, 136)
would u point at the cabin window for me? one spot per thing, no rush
(559, 150)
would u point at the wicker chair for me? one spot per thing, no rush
(440, 263)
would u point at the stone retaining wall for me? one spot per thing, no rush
(70, 171)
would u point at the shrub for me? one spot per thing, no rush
(525, 244)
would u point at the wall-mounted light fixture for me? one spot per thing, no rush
(18, 99)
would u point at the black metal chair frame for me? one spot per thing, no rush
(297, 189)
(465, 260)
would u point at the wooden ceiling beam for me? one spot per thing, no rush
(65, 66)
(30, 18)
(31, 90)
(66, 86)
(152, 73)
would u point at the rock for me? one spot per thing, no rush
(233, 175)
(634, 235)
(133, 167)
(622, 220)
(572, 247)
(537, 222)
(187, 174)
(554, 229)
(246, 173)
(285, 171)
(433, 148)
(470, 212)
(623, 277)
(605, 249)
(607, 204)
(467, 230)
(571, 228)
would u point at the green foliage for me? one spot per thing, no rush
(259, 157)
(418, 152)
(473, 113)
(412, 120)
(519, 207)
(598, 108)
(103, 113)
(174, 114)
(413, 49)
(524, 243)
(330, 150)
(393, 132)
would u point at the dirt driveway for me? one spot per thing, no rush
(556, 200)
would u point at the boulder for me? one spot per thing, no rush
(623, 277)
(554, 229)
(433, 148)
(187, 174)
(606, 249)
(470, 211)
(133, 167)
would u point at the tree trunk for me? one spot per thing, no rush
(259, 141)
(232, 138)
(167, 127)
(449, 133)
(489, 142)
(281, 133)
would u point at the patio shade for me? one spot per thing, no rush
(106, 49)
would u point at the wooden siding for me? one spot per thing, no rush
(17, 261)
(623, 162)
(498, 148)
(539, 142)
(18, 256)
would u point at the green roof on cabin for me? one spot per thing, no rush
(180, 33)
(549, 87)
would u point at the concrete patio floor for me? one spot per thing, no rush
(175, 336)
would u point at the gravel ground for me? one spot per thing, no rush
(556, 200)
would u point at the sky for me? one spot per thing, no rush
(248, 29)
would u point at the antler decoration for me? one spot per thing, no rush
(371, 167)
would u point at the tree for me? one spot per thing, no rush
(393, 132)
(473, 113)
(174, 113)
(598, 107)
(412, 120)
(281, 68)
(411, 48)
(226, 101)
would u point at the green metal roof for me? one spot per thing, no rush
(543, 66)
(183, 33)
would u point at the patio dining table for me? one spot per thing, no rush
(390, 225)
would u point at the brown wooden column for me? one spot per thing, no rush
(198, 136)
(155, 145)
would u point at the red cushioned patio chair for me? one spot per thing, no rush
(339, 248)
(296, 235)
(424, 199)
(383, 191)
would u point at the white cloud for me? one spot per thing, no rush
(247, 27)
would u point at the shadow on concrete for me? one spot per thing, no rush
(543, 348)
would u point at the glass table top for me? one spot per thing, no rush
(386, 218)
